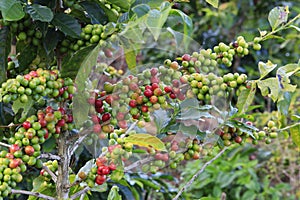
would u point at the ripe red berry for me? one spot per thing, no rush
(26, 124)
(49, 109)
(98, 103)
(61, 122)
(13, 148)
(154, 79)
(148, 93)
(186, 57)
(172, 96)
(109, 99)
(70, 118)
(238, 139)
(168, 89)
(132, 103)
(100, 179)
(112, 166)
(99, 110)
(154, 86)
(95, 119)
(157, 92)
(105, 117)
(144, 108)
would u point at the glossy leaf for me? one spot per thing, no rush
(295, 133)
(284, 104)
(146, 140)
(245, 99)
(141, 10)
(130, 60)
(87, 61)
(67, 24)
(38, 186)
(11, 10)
(124, 4)
(17, 105)
(156, 19)
(40, 13)
(288, 70)
(270, 85)
(277, 16)
(214, 3)
(27, 54)
(265, 68)
(94, 12)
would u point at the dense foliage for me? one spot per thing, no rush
(118, 99)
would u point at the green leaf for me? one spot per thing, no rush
(39, 12)
(288, 70)
(67, 24)
(114, 194)
(27, 53)
(141, 10)
(208, 198)
(95, 12)
(277, 16)
(156, 19)
(81, 108)
(39, 186)
(117, 175)
(49, 145)
(177, 16)
(245, 98)
(4, 51)
(17, 105)
(248, 195)
(214, 3)
(146, 140)
(265, 68)
(124, 4)
(130, 60)
(295, 134)
(11, 10)
(272, 84)
(295, 27)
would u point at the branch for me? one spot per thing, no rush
(53, 176)
(138, 163)
(81, 136)
(36, 194)
(198, 173)
(49, 156)
(5, 145)
(81, 192)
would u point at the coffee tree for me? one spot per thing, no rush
(75, 79)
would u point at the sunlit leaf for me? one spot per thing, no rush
(11, 10)
(114, 194)
(146, 140)
(214, 3)
(265, 68)
(277, 16)
(270, 85)
(245, 99)
(39, 12)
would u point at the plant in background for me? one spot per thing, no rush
(72, 83)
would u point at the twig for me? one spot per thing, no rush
(138, 163)
(5, 145)
(81, 192)
(81, 137)
(129, 129)
(49, 156)
(198, 173)
(74, 183)
(36, 194)
(53, 176)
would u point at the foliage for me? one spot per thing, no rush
(105, 99)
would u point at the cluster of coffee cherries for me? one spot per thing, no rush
(230, 135)
(52, 166)
(25, 30)
(11, 167)
(99, 173)
(37, 84)
(205, 86)
(268, 133)
(94, 34)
